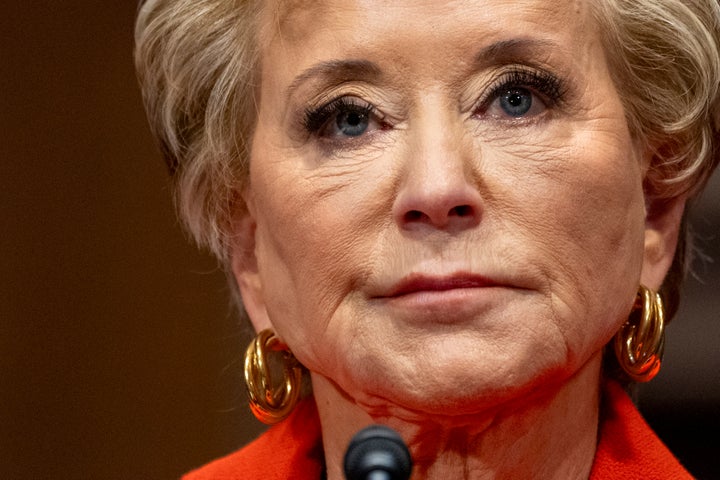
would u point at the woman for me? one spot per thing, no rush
(445, 212)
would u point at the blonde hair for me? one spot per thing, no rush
(197, 61)
(665, 59)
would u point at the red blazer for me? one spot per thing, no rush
(627, 448)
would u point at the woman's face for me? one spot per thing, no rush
(445, 205)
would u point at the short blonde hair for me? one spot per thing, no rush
(197, 61)
(664, 56)
(197, 64)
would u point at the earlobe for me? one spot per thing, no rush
(245, 269)
(662, 227)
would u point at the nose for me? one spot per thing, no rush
(439, 188)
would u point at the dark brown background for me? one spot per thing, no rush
(119, 354)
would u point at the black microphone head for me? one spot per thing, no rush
(377, 452)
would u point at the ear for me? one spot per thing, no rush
(244, 266)
(662, 226)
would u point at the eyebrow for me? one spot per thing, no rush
(512, 49)
(337, 71)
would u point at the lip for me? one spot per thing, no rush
(456, 298)
(420, 283)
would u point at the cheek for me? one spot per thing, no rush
(581, 210)
(603, 207)
(315, 234)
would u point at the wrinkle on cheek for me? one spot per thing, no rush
(345, 172)
(578, 206)
(331, 211)
(609, 130)
(543, 169)
(548, 142)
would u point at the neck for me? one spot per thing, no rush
(551, 433)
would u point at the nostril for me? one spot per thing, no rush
(461, 211)
(414, 216)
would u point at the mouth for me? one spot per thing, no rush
(456, 298)
(418, 283)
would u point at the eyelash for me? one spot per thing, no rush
(548, 86)
(315, 119)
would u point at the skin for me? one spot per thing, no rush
(494, 378)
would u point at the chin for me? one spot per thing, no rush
(463, 390)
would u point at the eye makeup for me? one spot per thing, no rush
(550, 89)
(316, 119)
(347, 119)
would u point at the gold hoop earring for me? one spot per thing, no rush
(269, 402)
(640, 342)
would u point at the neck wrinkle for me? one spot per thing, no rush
(551, 434)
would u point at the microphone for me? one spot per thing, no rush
(377, 453)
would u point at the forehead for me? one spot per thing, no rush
(296, 19)
(421, 40)
(402, 35)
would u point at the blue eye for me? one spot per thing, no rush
(351, 123)
(516, 102)
(521, 94)
(345, 117)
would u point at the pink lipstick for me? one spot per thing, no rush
(416, 283)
